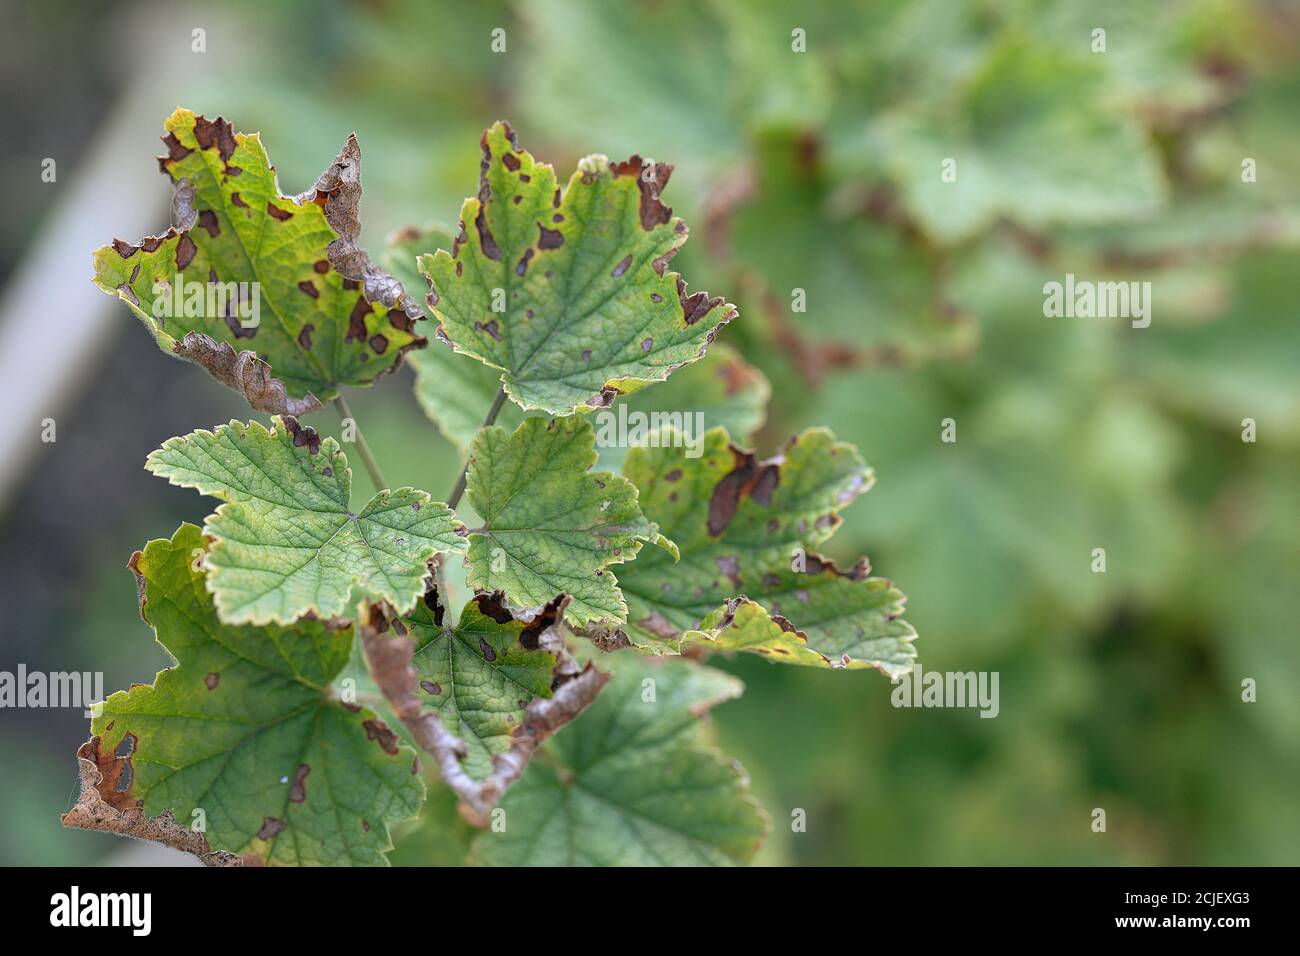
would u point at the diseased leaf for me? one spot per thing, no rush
(244, 729)
(509, 736)
(549, 525)
(741, 524)
(585, 309)
(320, 314)
(633, 783)
(481, 674)
(820, 617)
(287, 541)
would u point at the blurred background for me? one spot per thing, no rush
(815, 170)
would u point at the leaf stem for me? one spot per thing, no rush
(367, 458)
(495, 410)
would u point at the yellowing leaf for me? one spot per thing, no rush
(252, 284)
(566, 290)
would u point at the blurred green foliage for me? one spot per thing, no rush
(820, 171)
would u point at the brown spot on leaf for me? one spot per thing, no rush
(749, 477)
(647, 344)
(304, 335)
(605, 399)
(650, 181)
(275, 212)
(622, 266)
(357, 320)
(696, 305)
(208, 220)
(493, 605)
(212, 680)
(175, 151)
(376, 729)
(298, 789)
(485, 237)
(522, 266)
(271, 827)
(490, 327)
(431, 687)
(238, 330)
(303, 435)
(238, 200)
(379, 343)
(185, 252)
(322, 266)
(309, 287)
(549, 238)
(510, 161)
(216, 133)
(488, 653)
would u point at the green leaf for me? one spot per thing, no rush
(549, 525)
(481, 675)
(740, 523)
(243, 727)
(287, 541)
(1032, 139)
(585, 307)
(633, 783)
(321, 315)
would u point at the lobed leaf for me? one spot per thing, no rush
(480, 675)
(326, 317)
(586, 309)
(747, 527)
(633, 783)
(286, 541)
(244, 729)
(549, 525)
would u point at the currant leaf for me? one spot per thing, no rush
(634, 782)
(565, 290)
(550, 526)
(287, 541)
(747, 527)
(244, 729)
(252, 284)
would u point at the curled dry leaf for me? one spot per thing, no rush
(257, 271)
(103, 806)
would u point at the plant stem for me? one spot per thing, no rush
(459, 490)
(367, 458)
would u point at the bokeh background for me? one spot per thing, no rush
(816, 171)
